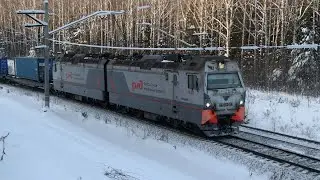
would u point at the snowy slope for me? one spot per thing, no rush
(288, 114)
(59, 145)
(63, 144)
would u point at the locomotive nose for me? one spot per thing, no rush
(227, 102)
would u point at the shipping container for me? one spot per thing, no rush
(32, 68)
(11, 67)
(3, 67)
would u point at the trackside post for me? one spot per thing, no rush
(45, 25)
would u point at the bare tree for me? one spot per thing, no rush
(203, 22)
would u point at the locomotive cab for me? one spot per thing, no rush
(224, 97)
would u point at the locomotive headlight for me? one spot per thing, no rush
(241, 102)
(208, 104)
(221, 65)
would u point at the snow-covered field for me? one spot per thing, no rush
(76, 141)
(288, 114)
(56, 145)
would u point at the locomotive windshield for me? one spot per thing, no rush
(223, 80)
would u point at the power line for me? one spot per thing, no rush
(297, 46)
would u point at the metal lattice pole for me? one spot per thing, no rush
(45, 25)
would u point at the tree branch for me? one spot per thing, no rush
(219, 22)
(301, 14)
(2, 139)
(219, 32)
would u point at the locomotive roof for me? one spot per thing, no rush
(82, 58)
(172, 61)
(164, 61)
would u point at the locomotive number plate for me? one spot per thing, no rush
(225, 104)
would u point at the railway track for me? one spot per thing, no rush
(281, 144)
(298, 141)
(297, 152)
(289, 159)
(284, 141)
(296, 161)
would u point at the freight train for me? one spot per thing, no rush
(200, 92)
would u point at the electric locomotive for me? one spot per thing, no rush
(224, 97)
(203, 91)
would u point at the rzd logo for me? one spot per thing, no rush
(137, 85)
(69, 75)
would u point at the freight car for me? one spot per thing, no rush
(11, 67)
(203, 92)
(3, 67)
(28, 71)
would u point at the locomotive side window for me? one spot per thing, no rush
(167, 76)
(196, 83)
(193, 82)
(190, 80)
(175, 80)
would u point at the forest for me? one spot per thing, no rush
(231, 24)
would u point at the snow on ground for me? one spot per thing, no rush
(76, 141)
(54, 145)
(283, 113)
